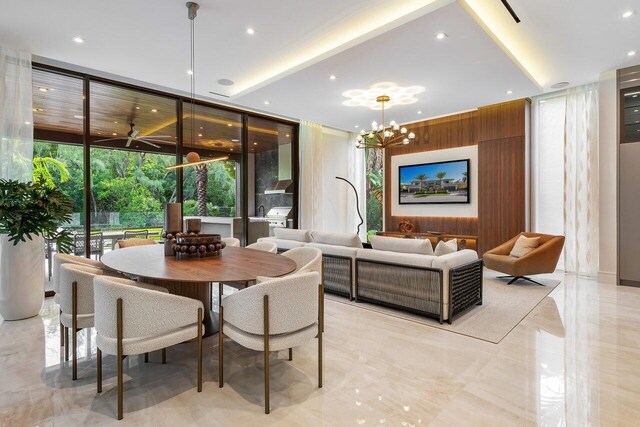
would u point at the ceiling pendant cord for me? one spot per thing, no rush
(193, 12)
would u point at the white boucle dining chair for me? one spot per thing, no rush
(58, 260)
(231, 241)
(264, 246)
(131, 320)
(275, 315)
(76, 304)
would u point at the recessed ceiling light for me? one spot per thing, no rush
(332, 77)
(267, 102)
(235, 140)
(99, 133)
(255, 143)
(509, 92)
(78, 117)
(200, 135)
(78, 39)
(419, 111)
(137, 108)
(287, 135)
(628, 14)
(231, 149)
(634, 96)
(153, 110)
(27, 123)
(225, 82)
(114, 134)
(543, 101)
(635, 111)
(251, 31)
(441, 36)
(43, 89)
(559, 85)
(356, 126)
(115, 122)
(631, 53)
(229, 124)
(190, 72)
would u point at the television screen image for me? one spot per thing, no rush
(442, 182)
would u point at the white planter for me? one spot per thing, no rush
(21, 278)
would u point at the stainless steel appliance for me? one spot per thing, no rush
(278, 217)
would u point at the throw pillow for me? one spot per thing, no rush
(447, 247)
(524, 245)
(408, 246)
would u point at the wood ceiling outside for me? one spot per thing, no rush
(58, 110)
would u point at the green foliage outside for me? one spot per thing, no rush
(128, 189)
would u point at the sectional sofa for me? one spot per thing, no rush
(401, 273)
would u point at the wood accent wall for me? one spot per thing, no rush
(499, 130)
(501, 173)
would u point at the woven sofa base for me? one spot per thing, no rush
(414, 289)
(419, 289)
(338, 274)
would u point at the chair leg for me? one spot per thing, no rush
(120, 354)
(99, 376)
(290, 354)
(74, 331)
(320, 330)
(164, 356)
(267, 408)
(66, 344)
(321, 308)
(199, 350)
(221, 348)
(61, 331)
(514, 280)
(532, 281)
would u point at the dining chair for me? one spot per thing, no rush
(231, 241)
(58, 260)
(131, 320)
(264, 246)
(128, 243)
(96, 244)
(143, 234)
(290, 316)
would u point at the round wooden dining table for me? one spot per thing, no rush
(193, 277)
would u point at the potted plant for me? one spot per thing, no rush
(29, 213)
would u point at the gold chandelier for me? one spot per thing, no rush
(382, 136)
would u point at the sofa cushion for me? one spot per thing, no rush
(339, 239)
(415, 260)
(282, 243)
(524, 245)
(334, 249)
(292, 234)
(408, 246)
(447, 247)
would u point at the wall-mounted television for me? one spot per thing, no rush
(435, 183)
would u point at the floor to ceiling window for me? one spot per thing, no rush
(107, 146)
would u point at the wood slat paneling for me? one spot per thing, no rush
(499, 130)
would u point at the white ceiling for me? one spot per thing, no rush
(298, 43)
(463, 71)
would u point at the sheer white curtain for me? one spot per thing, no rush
(565, 174)
(16, 115)
(581, 181)
(311, 173)
(326, 203)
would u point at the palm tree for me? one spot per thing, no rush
(422, 178)
(440, 175)
(202, 176)
(465, 176)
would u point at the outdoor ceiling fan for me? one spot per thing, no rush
(132, 136)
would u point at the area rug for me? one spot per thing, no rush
(503, 308)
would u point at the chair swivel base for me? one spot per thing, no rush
(515, 278)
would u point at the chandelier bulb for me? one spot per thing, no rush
(403, 131)
(412, 135)
(392, 123)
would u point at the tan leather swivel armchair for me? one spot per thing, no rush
(542, 259)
